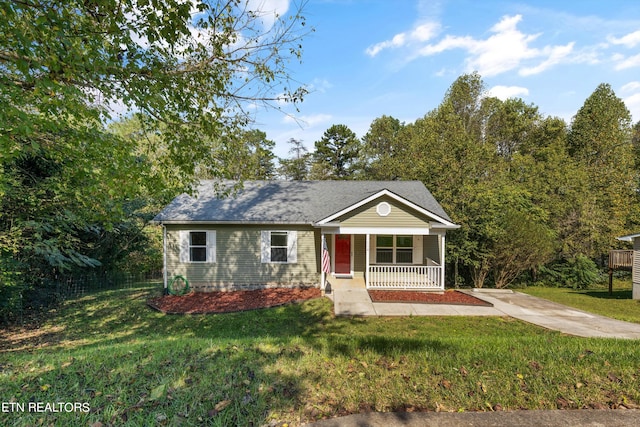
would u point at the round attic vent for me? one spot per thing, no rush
(383, 208)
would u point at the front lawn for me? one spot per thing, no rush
(294, 364)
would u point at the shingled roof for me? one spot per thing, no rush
(288, 202)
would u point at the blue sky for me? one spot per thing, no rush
(368, 58)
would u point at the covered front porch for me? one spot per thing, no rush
(388, 241)
(387, 261)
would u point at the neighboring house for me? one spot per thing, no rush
(272, 233)
(627, 260)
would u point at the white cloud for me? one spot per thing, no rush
(268, 11)
(308, 120)
(555, 55)
(630, 40)
(506, 49)
(425, 32)
(319, 85)
(631, 93)
(420, 33)
(506, 92)
(449, 42)
(630, 87)
(633, 104)
(397, 41)
(628, 62)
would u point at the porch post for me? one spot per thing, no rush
(366, 251)
(323, 243)
(442, 262)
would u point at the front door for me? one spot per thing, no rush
(343, 254)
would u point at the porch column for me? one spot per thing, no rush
(366, 268)
(323, 244)
(442, 262)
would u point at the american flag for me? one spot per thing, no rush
(326, 263)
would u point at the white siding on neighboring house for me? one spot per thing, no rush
(635, 273)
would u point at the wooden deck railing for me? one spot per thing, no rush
(620, 260)
(405, 277)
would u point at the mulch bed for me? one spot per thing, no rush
(230, 301)
(429, 297)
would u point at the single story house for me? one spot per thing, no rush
(635, 262)
(389, 234)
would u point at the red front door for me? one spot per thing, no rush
(343, 254)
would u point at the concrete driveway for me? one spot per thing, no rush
(556, 316)
(353, 300)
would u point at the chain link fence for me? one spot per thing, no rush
(78, 286)
(49, 292)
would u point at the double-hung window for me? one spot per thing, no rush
(404, 249)
(392, 249)
(198, 246)
(384, 249)
(279, 247)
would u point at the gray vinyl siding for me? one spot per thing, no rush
(238, 262)
(400, 216)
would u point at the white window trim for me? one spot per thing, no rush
(395, 248)
(185, 246)
(265, 247)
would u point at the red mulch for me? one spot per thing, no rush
(230, 301)
(429, 297)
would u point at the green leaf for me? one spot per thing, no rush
(158, 392)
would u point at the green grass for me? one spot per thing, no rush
(295, 364)
(618, 305)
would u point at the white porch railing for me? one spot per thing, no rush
(405, 277)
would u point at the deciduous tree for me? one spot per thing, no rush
(67, 67)
(600, 140)
(381, 149)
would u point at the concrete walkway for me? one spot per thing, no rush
(350, 298)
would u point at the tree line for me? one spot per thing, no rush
(534, 195)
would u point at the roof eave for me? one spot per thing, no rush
(450, 226)
(628, 238)
(247, 222)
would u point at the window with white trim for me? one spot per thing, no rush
(198, 246)
(404, 249)
(393, 249)
(384, 249)
(279, 247)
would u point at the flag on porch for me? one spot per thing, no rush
(326, 263)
